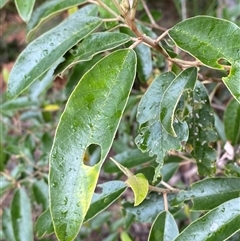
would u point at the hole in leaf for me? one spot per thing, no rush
(98, 189)
(92, 155)
(223, 61)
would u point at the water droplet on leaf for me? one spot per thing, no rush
(65, 200)
(45, 52)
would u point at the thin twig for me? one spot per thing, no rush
(165, 201)
(136, 43)
(219, 107)
(167, 185)
(161, 36)
(184, 9)
(118, 26)
(110, 19)
(148, 13)
(181, 155)
(156, 26)
(163, 190)
(102, 4)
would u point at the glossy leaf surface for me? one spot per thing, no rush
(91, 116)
(210, 40)
(40, 191)
(144, 67)
(7, 226)
(92, 45)
(210, 193)
(22, 216)
(139, 185)
(148, 210)
(201, 130)
(109, 193)
(232, 122)
(42, 53)
(104, 13)
(152, 137)
(43, 225)
(25, 8)
(217, 225)
(164, 228)
(185, 80)
(129, 158)
(46, 11)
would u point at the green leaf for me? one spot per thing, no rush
(231, 121)
(46, 11)
(111, 237)
(92, 45)
(129, 158)
(21, 216)
(25, 8)
(124, 236)
(42, 53)
(220, 128)
(100, 219)
(110, 192)
(164, 228)
(101, 97)
(144, 55)
(17, 104)
(210, 40)
(217, 225)
(148, 210)
(139, 185)
(144, 66)
(168, 170)
(185, 80)
(201, 130)
(152, 137)
(210, 193)
(44, 225)
(3, 2)
(7, 225)
(104, 13)
(43, 82)
(232, 169)
(78, 71)
(5, 184)
(148, 172)
(40, 190)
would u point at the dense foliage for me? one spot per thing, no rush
(143, 129)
